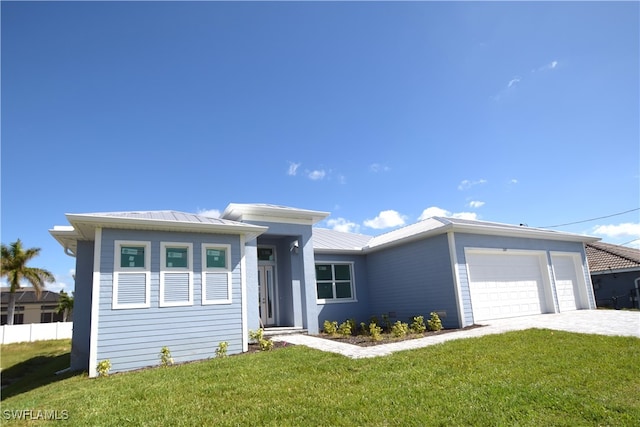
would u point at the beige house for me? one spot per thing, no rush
(30, 309)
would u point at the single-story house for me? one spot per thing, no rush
(145, 280)
(615, 274)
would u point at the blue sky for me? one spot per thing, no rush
(380, 113)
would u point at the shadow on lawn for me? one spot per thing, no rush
(33, 373)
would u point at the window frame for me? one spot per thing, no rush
(164, 270)
(333, 282)
(119, 270)
(226, 269)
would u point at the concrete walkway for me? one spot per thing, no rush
(602, 322)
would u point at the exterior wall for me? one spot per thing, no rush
(340, 311)
(296, 272)
(413, 279)
(81, 337)
(616, 290)
(132, 338)
(464, 240)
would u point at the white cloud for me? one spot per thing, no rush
(467, 184)
(513, 81)
(513, 181)
(341, 224)
(386, 219)
(377, 167)
(433, 211)
(546, 67)
(293, 168)
(436, 211)
(627, 229)
(211, 213)
(476, 204)
(316, 175)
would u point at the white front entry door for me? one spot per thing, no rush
(266, 291)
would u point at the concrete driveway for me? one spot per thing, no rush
(602, 322)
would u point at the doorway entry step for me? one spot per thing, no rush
(283, 330)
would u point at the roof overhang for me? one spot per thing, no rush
(272, 213)
(83, 227)
(526, 232)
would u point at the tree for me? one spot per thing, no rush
(65, 305)
(14, 268)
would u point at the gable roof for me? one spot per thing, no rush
(339, 241)
(272, 213)
(83, 226)
(608, 258)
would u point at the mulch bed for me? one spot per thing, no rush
(387, 338)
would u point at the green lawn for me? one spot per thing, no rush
(527, 378)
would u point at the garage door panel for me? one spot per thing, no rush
(566, 282)
(504, 285)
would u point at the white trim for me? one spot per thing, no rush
(243, 292)
(164, 270)
(95, 304)
(456, 277)
(226, 269)
(118, 270)
(321, 301)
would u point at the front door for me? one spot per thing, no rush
(266, 290)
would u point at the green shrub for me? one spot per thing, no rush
(417, 325)
(386, 322)
(221, 351)
(399, 329)
(330, 328)
(375, 331)
(266, 344)
(374, 319)
(434, 323)
(344, 329)
(165, 357)
(256, 336)
(363, 328)
(353, 325)
(103, 368)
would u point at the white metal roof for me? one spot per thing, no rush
(83, 226)
(336, 241)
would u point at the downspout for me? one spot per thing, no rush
(637, 291)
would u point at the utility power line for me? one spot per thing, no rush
(592, 219)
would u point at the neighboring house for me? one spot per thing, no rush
(145, 280)
(30, 309)
(615, 274)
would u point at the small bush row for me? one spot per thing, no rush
(375, 329)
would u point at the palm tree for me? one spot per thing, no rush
(65, 305)
(14, 268)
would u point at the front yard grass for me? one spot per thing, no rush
(527, 378)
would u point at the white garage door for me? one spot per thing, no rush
(566, 281)
(505, 285)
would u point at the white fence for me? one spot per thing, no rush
(36, 332)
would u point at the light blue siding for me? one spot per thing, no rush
(132, 338)
(466, 240)
(359, 309)
(413, 279)
(81, 337)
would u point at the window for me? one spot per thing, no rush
(216, 274)
(334, 282)
(50, 317)
(18, 319)
(176, 274)
(131, 274)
